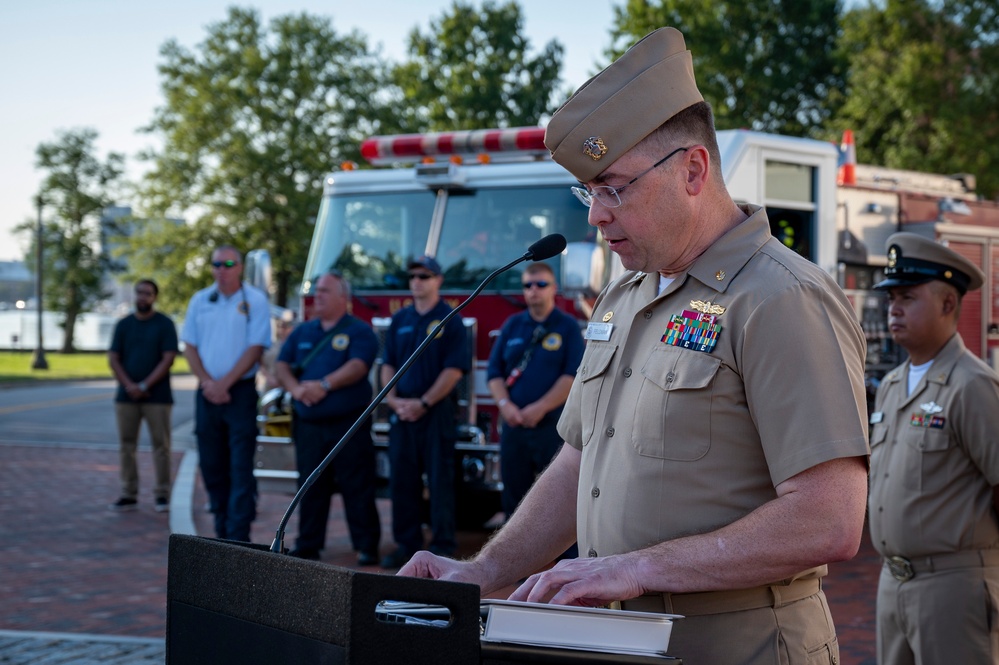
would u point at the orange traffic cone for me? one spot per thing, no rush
(847, 174)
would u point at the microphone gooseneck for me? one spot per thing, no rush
(543, 249)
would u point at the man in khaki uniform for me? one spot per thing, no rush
(716, 446)
(934, 469)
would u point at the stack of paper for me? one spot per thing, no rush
(587, 628)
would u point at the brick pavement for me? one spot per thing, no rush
(95, 581)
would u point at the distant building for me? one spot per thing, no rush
(117, 221)
(16, 283)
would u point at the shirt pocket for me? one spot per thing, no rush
(929, 458)
(591, 373)
(879, 433)
(673, 411)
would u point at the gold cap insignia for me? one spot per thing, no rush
(594, 148)
(892, 256)
(608, 316)
(706, 307)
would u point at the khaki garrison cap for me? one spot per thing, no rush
(620, 106)
(913, 259)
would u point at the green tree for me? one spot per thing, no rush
(924, 86)
(473, 70)
(763, 64)
(253, 120)
(77, 187)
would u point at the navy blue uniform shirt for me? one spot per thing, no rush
(408, 330)
(356, 340)
(558, 352)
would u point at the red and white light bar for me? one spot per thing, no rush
(381, 150)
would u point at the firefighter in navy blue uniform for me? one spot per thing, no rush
(531, 369)
(422, 434)
(324, 364)
(935, 469)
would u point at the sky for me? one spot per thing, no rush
(69, 64)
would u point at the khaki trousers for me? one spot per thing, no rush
(950, 616)
(157, 418)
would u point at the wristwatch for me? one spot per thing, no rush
(325, 385)
(141, 385)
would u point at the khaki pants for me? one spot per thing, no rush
(797, 633)
(157, 418)
(951, 616)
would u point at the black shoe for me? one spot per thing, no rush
(124, 504)
(396, 559)
(305, 553)
(162, 504)
(367, 558)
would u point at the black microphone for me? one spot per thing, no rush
(543, 249)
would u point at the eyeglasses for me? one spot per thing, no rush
(610, 197)
(421, 275)
(224, 264)
(144, 292)
(541, 284)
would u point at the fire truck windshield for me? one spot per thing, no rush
(369, 237)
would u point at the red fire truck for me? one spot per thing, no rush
(477, 199)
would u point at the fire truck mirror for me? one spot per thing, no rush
(257, 270)
(582, 269)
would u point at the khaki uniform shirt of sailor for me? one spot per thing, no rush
(935, 458)
(677, 441)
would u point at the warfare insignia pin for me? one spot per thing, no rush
(705, 307)
(931, 407)
(594, 148)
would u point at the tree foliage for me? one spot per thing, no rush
(473, 70)
(77, 187)
(768, 65)
(253, 120)
(924, 86)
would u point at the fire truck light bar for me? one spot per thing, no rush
(412, 147)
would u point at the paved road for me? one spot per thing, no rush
(84, 585)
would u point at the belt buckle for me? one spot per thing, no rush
(900, 567)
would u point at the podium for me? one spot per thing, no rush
(239, 603)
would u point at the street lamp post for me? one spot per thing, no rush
(38, 360)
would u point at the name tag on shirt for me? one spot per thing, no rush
(877, 417)
(599, 331)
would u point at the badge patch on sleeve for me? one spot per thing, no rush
(693, 330)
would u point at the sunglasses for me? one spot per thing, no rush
(420, 275)
(223, 264)
(541, 284)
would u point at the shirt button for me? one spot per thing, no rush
(610, 431)
(592, 553)
(582, 371)
(670, 377)
(648, 313)
(595, 492)
(627, 371)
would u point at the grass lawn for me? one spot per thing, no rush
(15, 366)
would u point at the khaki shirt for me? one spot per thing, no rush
(677, 441)
(935, 458)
